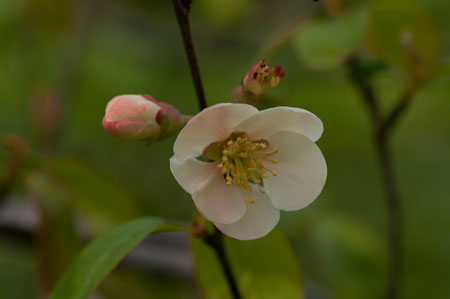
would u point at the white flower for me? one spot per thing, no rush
(260, 162)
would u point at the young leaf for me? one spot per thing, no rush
(100, 257)
(324, 44)
(403, 34)
(264, 268)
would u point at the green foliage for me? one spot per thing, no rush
(134, 50)
(17, 275)
(344, 254)
(91, 192)
(101, 256)
(401, 33)
(57, 242)
(128, 283)
(324, 44)
(264, 268)
(355, 256)
(223, 13)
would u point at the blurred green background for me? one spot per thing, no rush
(62, 61)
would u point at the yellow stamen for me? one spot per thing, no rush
(242, 162)
(251, 200)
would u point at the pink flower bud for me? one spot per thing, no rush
(259, 77)
(141, 117)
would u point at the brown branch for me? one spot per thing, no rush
(398, 110)
(382, 127)
(182, 8)
(215, 240)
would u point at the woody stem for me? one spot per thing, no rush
(215, 240)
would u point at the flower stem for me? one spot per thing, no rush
(382, 127)
(215, 240)
(182, 9)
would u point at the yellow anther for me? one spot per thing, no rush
(275, 161)
(251, 200)
(242, 162)
(274, 173)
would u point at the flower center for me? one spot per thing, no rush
(241, 162)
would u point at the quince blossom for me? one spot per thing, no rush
(255, 163)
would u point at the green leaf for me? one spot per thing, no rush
(264, 268)
(57, 242)
(18, 277)
(389, 24)
(343, 255)
(101, 256)
(98, 196)
(224, 13)
(325, 44)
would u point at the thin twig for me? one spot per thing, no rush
(398, 110)
(182, 8)
(366, 90)
(215, 240)
(382, 127)
(394, 216)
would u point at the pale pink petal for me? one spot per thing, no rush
(192, 174)
(213, 124)
(131, 108)
(131, 129)
(301, 171)
(270, 121)
(218, 202)
(259, 219)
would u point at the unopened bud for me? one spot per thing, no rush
(141, 117)
(259, 77)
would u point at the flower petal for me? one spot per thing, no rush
(213, 124)
(259, 219)
(270, 121)
(301, 171)
(219, 202)
(192, 174)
